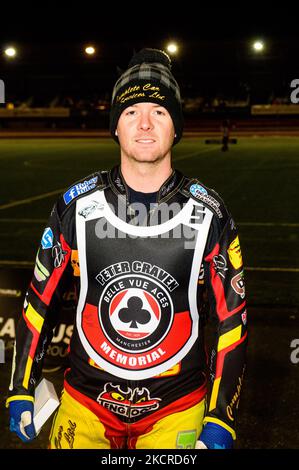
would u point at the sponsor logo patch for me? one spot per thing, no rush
(197, 189)
(238, 284)
(134, 328)
(135, 313)
(75, 262)
(47, 238)
(200, 193)
(58, 255)
(234, 252)
(220, 265)
(86, 211)
(78, 189)
(127, 402)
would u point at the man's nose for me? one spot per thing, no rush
(145, 122)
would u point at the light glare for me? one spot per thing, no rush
(172, 48)
(10, 52)
(90, 50)
(258, 46)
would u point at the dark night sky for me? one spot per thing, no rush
(57, 21)
(214, 44)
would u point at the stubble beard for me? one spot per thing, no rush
(154, 159)
(150, 161)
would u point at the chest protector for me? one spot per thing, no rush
(137, 313)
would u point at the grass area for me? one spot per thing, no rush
(258, 179)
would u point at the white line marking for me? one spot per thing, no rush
(24, 221)
(57, 191)
(194, 154)
(30, 199)
(16, 263)
(274, 269)
(267, 224)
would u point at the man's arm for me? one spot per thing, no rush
(224, 273)
(52, 275)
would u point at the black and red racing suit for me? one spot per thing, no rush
(141, 294)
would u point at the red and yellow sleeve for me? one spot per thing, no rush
(51, 277)
(225, 279)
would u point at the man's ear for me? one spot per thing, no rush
(116, 132)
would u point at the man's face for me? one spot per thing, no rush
(145, 132)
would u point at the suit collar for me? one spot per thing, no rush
(168, 188)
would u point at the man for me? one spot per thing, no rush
(144, 244)
(226, 128)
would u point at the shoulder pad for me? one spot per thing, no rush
(93, 182)
(207, 196)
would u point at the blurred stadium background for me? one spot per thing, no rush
(53, 131)
(59, 86)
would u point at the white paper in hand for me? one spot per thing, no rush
(45, 403)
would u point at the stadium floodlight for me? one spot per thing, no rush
(10, 52)
(172, 48)
(90, 50)
(258, 46)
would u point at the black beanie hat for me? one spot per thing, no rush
(148, 79)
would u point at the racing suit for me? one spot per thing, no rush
(137, 354)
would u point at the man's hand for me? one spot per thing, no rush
(21, 419)
(214, 436)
